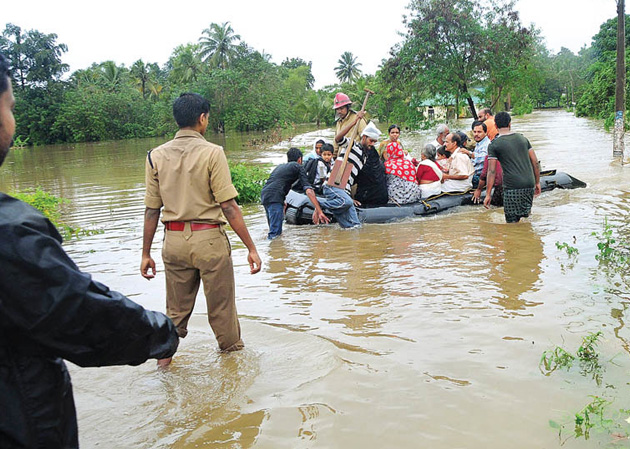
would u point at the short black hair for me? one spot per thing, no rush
(188, 107)
(320, 141)
(502, 119)
(293, 154)
(464, 137)
(479, 123)
(393, 127)
(457, 138)
(441, 150)
(328, 147)
(5, 78)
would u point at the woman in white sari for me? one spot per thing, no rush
(429, 174)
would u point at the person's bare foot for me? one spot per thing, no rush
(163, 363)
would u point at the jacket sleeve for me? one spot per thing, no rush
(50, 306)
(303, 178)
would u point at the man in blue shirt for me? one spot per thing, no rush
(480, 134)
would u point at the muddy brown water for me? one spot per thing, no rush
(422, 333)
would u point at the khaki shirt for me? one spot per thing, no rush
(189, 177)
(342, 123)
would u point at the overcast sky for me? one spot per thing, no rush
(318, 31)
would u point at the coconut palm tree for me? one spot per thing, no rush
(348, 68)
(185, 65)
(218, 46)
(140, 74)
(111, 74)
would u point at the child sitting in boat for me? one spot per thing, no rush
(443, 158)
(324, 166)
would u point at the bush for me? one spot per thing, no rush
(249, 181)
(49, 204)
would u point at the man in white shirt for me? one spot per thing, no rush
(459, 176)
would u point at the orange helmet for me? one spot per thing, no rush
(341, 99)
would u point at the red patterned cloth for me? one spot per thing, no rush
(397, 165)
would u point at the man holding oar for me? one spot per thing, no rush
(347, 119)
(338, 198)
(352, 158)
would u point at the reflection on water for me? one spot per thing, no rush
(429, 329)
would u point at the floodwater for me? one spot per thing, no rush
(422, 333)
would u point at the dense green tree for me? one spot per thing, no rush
(35, 57)
(251, 95)
(347, 69)
(596, 97)
(185, 65)
(99, 114)
(140, 74)
(296, 63)
(452, 45)
(217, 45)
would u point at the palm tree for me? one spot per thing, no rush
(139, 72)
(111, 74)
(348, 68)
(217, 45)
(185, 64)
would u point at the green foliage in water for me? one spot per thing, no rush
(570, 250)
(49, 205)
(597, 415)
(614, 251)
(249, 181)
(586, 355)
(555, 359)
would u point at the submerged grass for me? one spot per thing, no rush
(49, 205)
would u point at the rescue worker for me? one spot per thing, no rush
(189, 178)
(346, 118)
(49, 311)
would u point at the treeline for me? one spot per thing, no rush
(456, 53)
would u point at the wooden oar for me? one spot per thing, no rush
(341, 170)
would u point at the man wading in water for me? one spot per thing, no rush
(49, 311)
(521, 177)
(190, 179)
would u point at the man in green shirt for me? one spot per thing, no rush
(521, 176)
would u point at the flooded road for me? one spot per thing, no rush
(422, 333)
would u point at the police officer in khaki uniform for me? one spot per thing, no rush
(190, 180)
(346, 119)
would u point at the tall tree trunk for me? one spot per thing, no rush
(496, 100)
(471, 103)
(620, 91)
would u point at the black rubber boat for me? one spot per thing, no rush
(300, 211)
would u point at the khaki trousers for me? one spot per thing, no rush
(190, 257)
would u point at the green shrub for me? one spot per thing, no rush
(49, 204)
(249, 181)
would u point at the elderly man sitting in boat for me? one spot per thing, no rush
(461, 170)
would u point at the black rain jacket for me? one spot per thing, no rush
(49, 311)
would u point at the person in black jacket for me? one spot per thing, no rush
(49, 311)
(277, 187)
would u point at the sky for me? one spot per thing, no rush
(318, 31)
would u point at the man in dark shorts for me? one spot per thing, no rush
(521, 177)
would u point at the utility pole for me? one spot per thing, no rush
(620, 91)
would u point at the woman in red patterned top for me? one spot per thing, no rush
(401, 174)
